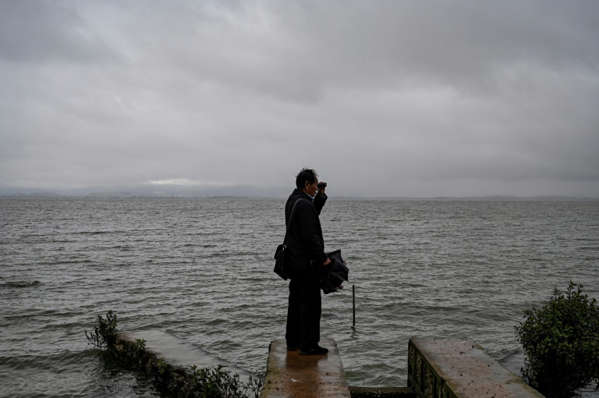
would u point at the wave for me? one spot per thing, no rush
(20, 284)
(100, 232)
(50, 361)
(59, 262)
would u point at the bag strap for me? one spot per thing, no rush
(291, 218)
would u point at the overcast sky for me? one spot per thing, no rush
(382, 98)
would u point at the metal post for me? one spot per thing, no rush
(353, 291)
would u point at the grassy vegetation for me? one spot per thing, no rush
(169, 380)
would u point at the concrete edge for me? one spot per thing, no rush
(381, 392)
(514, 379)
(434, 368)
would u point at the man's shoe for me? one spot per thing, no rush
(291, 346)
(318, 350)
(321, 349)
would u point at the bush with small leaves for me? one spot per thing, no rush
(169, 380)
(561, 343)
(105, 333)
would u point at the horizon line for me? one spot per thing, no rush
(122, 195)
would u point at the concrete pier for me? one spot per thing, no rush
(290, 374)
(442, 368)
(437, 368)
(173, 351)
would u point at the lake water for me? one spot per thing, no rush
(200, 270)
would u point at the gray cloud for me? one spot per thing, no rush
(386, 98)
(47, 31)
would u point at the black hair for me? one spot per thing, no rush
(305, 175)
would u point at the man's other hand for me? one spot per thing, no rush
(321, 186)
(326, 262)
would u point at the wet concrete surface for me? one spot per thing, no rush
(179, 353)
(290, 374)
(464, 368)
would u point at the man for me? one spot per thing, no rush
(306, 258)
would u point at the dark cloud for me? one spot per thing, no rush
(386, 98)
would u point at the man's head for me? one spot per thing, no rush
(307, 181)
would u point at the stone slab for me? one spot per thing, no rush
(179, 353)
(290, 374)
(460, 369)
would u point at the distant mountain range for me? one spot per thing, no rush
(149, 190)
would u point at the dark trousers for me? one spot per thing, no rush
(303, 314)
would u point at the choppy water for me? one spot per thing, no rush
(201, 271)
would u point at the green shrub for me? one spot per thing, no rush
(561, 343)
(105, 333)
(169, 380)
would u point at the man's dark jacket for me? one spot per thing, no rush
(304, 240)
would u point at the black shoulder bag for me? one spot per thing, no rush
(281, 267)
